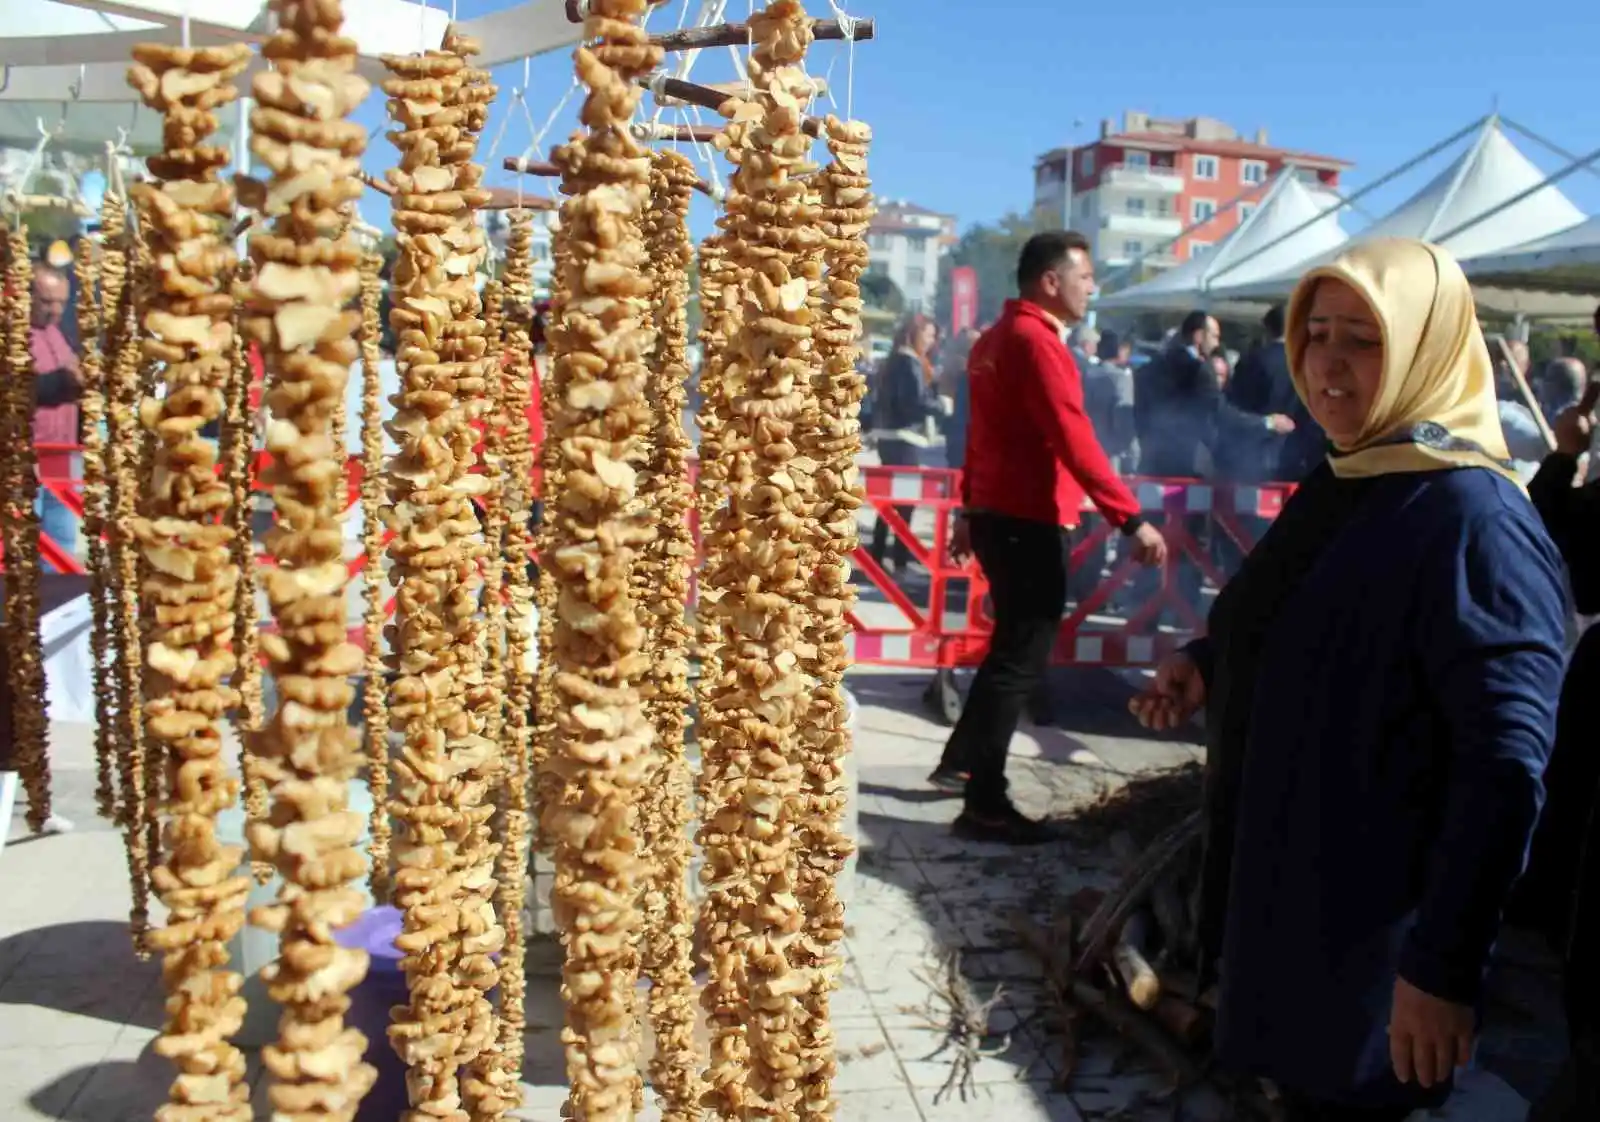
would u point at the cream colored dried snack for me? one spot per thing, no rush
(307, 750)
(765, 548)
(20, 526)
(598, 421)
(184, 535)
(375, 691)
(830, 438)
(664, 814)
(517, 372)
(441, 702)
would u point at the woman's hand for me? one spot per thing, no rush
(1177, 694)
(1429, 1037)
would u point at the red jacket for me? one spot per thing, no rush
(1031, 450)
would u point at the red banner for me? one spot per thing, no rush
(963, 298)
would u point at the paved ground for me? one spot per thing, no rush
(78, 1012)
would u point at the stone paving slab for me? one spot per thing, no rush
(78, 1012)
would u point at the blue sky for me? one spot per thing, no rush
(963, 95)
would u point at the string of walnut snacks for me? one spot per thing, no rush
(832, 440)
(298, 300)
(125, 391)
(773, 240)
(20, 522)
(664, 814)
(516, 373)
(598, 420)
(91, 412)
(184, 535)
(441, 780)
(375, 686)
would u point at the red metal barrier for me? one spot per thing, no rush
(1116, 617)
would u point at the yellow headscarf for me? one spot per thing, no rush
(1438, 381)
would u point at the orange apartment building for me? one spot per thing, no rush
(1136, 188)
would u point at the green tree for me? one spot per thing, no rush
(992, 252)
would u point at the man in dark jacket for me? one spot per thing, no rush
(1560, 890)
(1175, 400)
(1261, 385)
(1032, 459)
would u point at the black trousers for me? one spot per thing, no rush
(1025, 564)
(894, 453)
(1299, 1109)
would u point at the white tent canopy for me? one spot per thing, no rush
(1557, 276)
(1288, 225)
(65, 61)
(1485, 178)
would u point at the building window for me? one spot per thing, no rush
(1198, 249)
(1245, 211)
(878, 241)
(914, 278)
(1135, 206)
(1086, 162)
(1132, 248)
(1139, 161)
(1163, 207)
(1205, 167)
(1202, 210)
(1252, 171)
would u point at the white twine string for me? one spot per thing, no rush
(422, 26)
(536, 144)
(847, 25)
(30, 170)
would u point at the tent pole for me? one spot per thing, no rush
(1374, 185)
(1548, 145)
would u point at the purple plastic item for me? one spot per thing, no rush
(370, 1002)
(382, 989)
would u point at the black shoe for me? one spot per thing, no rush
(950, 780)
(1005, 827)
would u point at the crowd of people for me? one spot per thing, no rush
(1381, 678)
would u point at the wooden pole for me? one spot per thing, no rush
(541, 168)
(708, 98)
(689, 134)
(550, 171)
(736, 34)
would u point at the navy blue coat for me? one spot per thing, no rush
(1374, 785)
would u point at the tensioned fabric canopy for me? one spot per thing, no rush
(1486, 178)
(1289, 224)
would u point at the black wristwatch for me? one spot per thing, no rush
(1131, 526)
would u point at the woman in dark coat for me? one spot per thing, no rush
(904, 399)
(1380, 682)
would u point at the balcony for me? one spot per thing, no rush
(1136, 178)
(1143, 225)
(1116, 259)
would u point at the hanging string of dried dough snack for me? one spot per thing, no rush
(598, 422)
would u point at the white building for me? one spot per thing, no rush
(907, 243)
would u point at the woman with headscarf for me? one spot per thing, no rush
(1380, 683)
(904, 400)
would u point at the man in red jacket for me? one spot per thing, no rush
(1032, 457)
